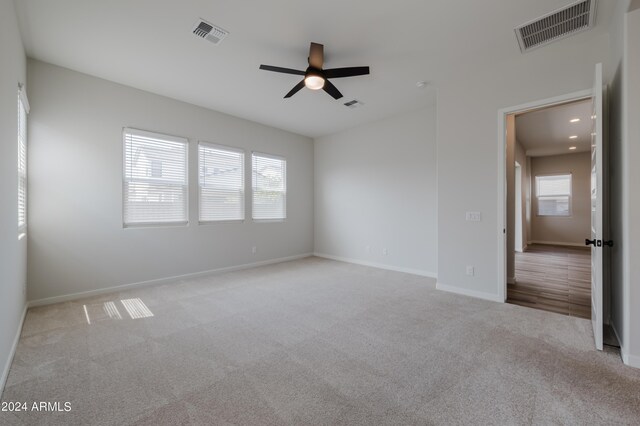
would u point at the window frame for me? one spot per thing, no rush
(253, 188)
(161, 136)
(244, 184)
(22, 140)
(569, 195)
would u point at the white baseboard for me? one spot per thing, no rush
(558, 243)
(412, 271)
(12, 352)
(467, 292)
(632, 360)
(166, 280)
(628, 359)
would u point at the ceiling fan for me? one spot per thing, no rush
(316, 78)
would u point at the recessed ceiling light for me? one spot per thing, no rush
(571, 148)
(574, 120)
(573, 137)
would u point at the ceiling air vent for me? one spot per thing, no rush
(569, 20)
(209, 31)
(353, 104)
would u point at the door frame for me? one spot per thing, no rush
(502, 173)
(518, 210)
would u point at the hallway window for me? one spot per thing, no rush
(554, 195)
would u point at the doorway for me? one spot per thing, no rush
(506, 122)
(551, 147)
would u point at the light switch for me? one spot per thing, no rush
(474, 216)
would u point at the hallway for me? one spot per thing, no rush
(553, 278)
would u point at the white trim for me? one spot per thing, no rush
(631, 360)
(23, 97)
(223, 147)
(502, 176)
(12, 352)
(157, 281)
(558, 243)
(471, 293)
(412, 271)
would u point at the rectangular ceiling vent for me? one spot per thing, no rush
(208, 31)
(565, 22)
(354, 104)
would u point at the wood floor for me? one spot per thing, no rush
(553, 278)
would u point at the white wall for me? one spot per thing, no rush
(617, 181)
(632, 139)
(12, 252)
(76, 240)
(624, 138)
(570, 230)
(375, 188)
(468, 149)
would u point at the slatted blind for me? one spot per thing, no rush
(22, 164)
(269, 178)
(221, 183)
(554, 195)
(155, 178)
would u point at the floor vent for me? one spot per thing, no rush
(565, 22)
(210, 32)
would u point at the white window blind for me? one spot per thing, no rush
(554, 195)
(221, 183)
(22, 162)
(269, 176)
(155, 178)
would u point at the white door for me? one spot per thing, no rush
(596, 207)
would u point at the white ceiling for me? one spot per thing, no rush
(148, 44)
(547, 131)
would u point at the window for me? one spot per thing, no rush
(269, 176)
(221, 183)
(554, 195)
(23, 107)
(155, 178)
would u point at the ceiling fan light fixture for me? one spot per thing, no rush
(314, 81)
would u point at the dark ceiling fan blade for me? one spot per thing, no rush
(332, 90)
(346, 72)
(295, 90)
(316, 55)
(280, 69)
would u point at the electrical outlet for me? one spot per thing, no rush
(470, 270)
(254, 250)
(385, 251)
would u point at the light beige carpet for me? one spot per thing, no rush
(313, 342)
